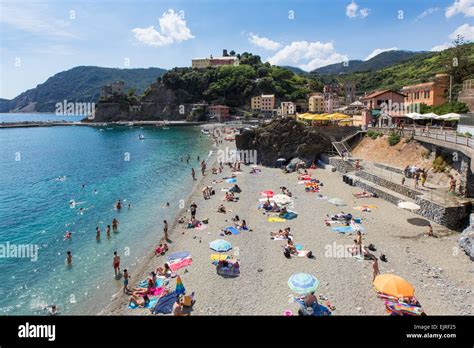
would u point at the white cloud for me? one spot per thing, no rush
(427, 12)
(34, 19)
(173, 29)
(465, 30)
(465, 7)
(307, 55)
(352, 11)
(380, 50)
(441, 47)
(264, 42)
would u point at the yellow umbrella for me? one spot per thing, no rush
(393, 285)
(338, 116)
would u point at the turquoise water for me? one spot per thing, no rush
(35, 210)
(37, 117)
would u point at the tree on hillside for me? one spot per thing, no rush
(458, 64)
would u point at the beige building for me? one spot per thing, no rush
(264, 102)
(287, 108)
(202, 63)
(316, 103)
(115, 88)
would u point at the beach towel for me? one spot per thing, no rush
(150, 304)
(156, 291)
(289, 215)
(178, 255)
(218, 257)
(303, 253)
(144, 283)
(232, 230)
(228, 271)
(403, 308)
(318, 309)
(224, 189)
(165, 303)
(275, 219)
(180, 263)
(343, 229)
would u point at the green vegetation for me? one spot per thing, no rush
(420, 68)
(456, 107)
(440, 165)
(234, 86)
(373, 134)
(393, 139)
(81, 84)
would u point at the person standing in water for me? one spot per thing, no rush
(116, 264)
(108, 231)
(203, 167)
(193, 173)
(115, 224)
(118, 205)
(69, 258)
(165, 229)
(97, 236)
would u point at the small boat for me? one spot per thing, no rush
(165, 125)
(141, 137)
(205, 131)
(130, 124)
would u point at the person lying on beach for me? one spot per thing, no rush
(139, 301)
(340, 216)
(221, 209)
(283, 211)
(291, 247)
(164, 271)
(242, 225)
(255, 171)
(229, 196)
(282, 233)
(181, 220)
(229, 177)
(363, 194)
(214, 170)
(193, 223)
(161, 249)
(235, 218)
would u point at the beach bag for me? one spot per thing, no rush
(187, 301)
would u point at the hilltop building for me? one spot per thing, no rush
(430, 93)
(113, 89)
(225, 59)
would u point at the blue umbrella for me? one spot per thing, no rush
(220, 245)
(165, 303)
(231, 180)
(303, 283)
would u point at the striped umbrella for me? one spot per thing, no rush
(303, 283)
(179, 286)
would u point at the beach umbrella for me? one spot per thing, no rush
(408, 205)
(179, 286)
(281, 160)
(165, 303)
(231, 180)
(337, 201)
(178, 255)
(303, 283)
(267, 193)
(281, 199)
(220, 245)
(393, 285)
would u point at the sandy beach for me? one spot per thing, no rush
(440, 272)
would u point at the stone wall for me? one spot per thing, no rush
(340, 165)
(392, 169)
(404, 190)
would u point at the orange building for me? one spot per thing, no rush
(429, 93)
(220, 112)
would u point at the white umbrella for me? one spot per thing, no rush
(451, 116)
(281, 199)
(408, 205)
(430, 115)
(281, 160)
(413, 115)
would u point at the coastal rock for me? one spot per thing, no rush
(288, 138)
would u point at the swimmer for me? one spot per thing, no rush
(115, 224)
(118, 205)
(68, 235)
(69, 258)
(95, 191)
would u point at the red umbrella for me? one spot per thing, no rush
(267, 193)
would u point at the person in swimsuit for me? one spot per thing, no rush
(69, 258)
(139, 301)
(165, 229)
(118, 205)
(115, 224)
(116, 264)
(107, 231)
(193, 173)
(97, 236)
(193, 209)
(126, 276)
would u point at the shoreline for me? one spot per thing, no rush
(143, 269)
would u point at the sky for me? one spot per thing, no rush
(42, 38)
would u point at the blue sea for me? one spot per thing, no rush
(111, 163)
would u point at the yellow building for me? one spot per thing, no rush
(316, 103)
(256, 103)
(264, 102)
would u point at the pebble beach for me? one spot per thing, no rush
(442, 275)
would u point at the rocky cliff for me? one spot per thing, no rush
(288, 138)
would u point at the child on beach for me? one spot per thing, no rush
(126, 276)
(69, 258)
(375, 269)
(116, 264)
